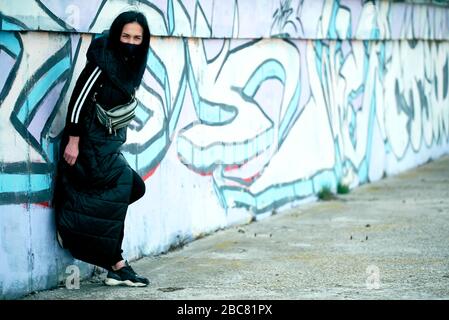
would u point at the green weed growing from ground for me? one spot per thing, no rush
(342, 188)
(326, 194)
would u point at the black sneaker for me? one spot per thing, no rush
(125, 276)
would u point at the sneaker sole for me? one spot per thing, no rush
(59, 239)
(113, 282)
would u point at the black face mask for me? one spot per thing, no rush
(129, 50)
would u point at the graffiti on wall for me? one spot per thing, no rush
(268, 121)
(242, 18)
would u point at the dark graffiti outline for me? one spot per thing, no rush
(65, 25)
(13, 72)
(20, 126)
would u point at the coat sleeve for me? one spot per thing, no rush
(83, 87)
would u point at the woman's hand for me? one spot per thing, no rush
(71, 150)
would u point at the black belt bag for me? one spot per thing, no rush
(118, 117)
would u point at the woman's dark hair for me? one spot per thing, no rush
(115, 32)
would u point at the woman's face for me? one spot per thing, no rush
(132, 33)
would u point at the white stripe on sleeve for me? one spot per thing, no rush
(84, 92)
(85, 96)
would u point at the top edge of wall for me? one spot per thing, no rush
(240, 19)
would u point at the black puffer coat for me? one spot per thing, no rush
(92, 196)
(95, 196)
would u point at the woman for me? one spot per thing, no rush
(95, 184)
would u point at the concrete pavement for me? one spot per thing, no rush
(385, 240)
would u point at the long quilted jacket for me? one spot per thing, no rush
(91, 197)
(94, 195)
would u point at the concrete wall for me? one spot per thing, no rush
(246, 107)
